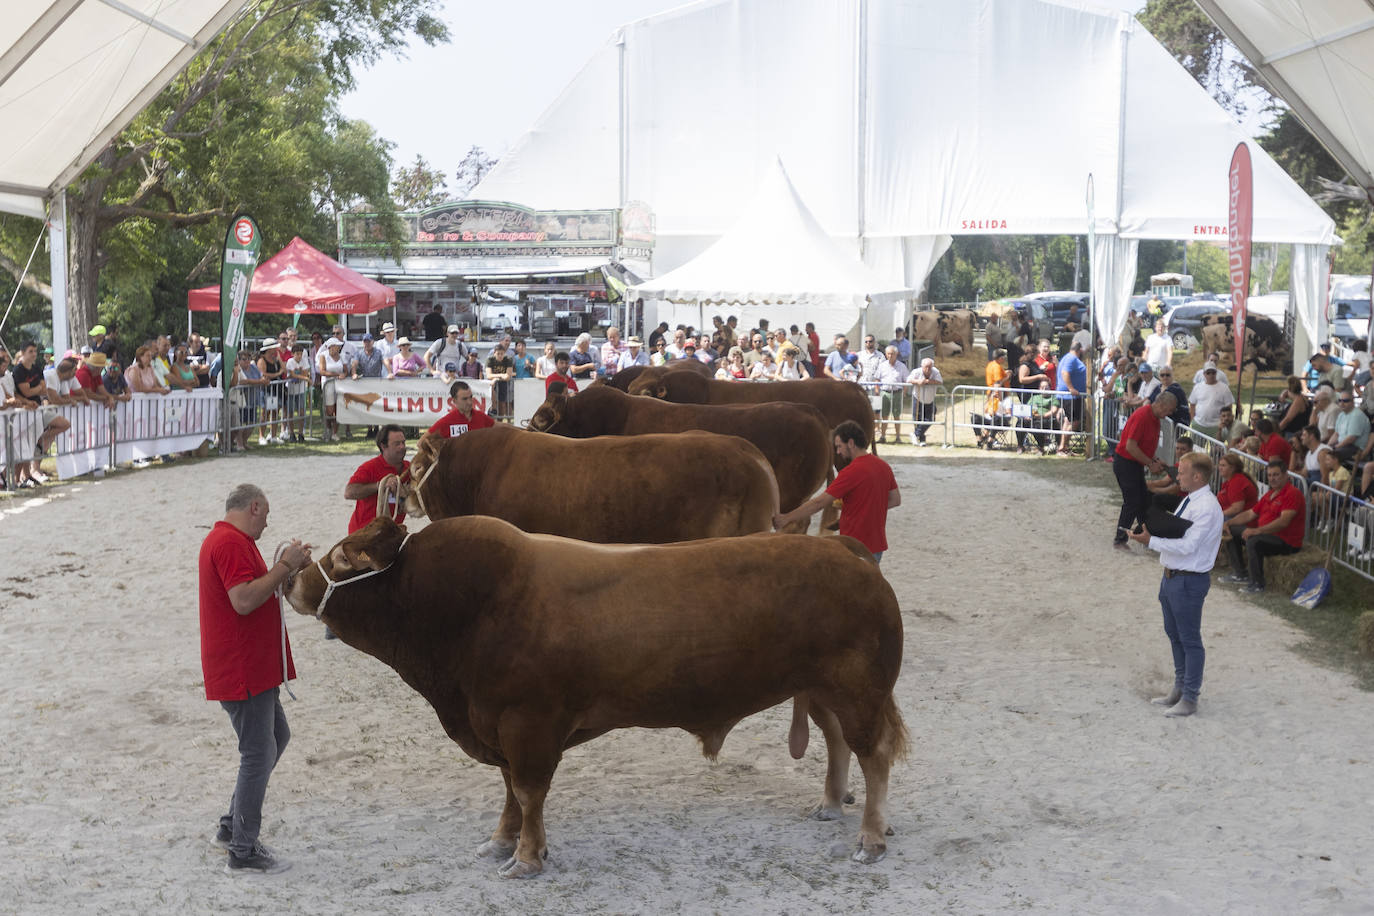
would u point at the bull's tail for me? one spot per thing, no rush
(773, 478)
(894, 741)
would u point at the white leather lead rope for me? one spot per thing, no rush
(281, 609)
(330, 584)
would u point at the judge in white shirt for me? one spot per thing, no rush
(1187, 563)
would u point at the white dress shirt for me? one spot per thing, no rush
(1196, 551)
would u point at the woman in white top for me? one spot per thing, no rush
(332, 367)
(765, 369)
(543, 366)
(790, 370)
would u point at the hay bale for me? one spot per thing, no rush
(1283, 574)
(1364, 633)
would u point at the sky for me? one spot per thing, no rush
(505, 63)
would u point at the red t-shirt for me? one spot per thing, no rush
(565, 379)
(88, 379)
(1276, 447)
(1273, 503)
(1238, 488)
(864, 485)
(814, 348)
(365, 510)
(1143, 427)
(453, 424)
(240, 654)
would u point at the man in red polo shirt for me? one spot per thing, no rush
(244, 656)
(561, 374)
(88, 376)
(1274, 526)
(866, 485)
(464, 417)
(362, 486)
(1272, 445)
(1134, 453)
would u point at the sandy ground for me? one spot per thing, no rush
(1040, 777)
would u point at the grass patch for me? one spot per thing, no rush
(1331, 630)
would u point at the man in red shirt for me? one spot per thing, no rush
(1272, 445)
(561, 374)
(1273, 527)
(362, 486)
(866, 485)
(1134, 453)
(244, 656)
(88, 377)
(465, 415)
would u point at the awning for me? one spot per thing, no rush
(301, 279)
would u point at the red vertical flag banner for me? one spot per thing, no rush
(1241, 210)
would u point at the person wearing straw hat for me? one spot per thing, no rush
(245, 657)
(88, 376)
(388, 344)
(333, 366)
(273, 369)
(634, 354)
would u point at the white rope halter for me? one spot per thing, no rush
(276, 558)
(415, 487)
(330, 584)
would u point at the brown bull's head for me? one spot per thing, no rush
(549, 417)
(373, 547)
(426, 453)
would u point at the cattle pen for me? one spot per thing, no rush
(1040, 777)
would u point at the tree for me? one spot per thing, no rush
(251, 124)
(474, 167)
(417, 186)
(1203, 50)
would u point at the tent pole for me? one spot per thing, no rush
(57, 243)
(622, 102)
(861, 153)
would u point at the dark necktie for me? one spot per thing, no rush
(1183, 505)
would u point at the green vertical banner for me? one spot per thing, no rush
(242, 245)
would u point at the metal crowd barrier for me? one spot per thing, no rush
(1013, 426)
(143, 427)
(907, 415)
(1344, 525)
(279, 409)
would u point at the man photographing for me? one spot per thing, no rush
(1187, 562)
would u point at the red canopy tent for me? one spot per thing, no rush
(301, 278)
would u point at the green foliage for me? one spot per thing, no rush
(474, 167)
(1202, 49)
(417, 186)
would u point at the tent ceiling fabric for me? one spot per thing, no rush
(73, 73)
(1317, 57)
(302, 279)
(899, 119)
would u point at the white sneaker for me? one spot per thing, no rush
(262, 440)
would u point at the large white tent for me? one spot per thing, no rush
(775, 262)
(904, 122)
(73, 73)
(1316, 56)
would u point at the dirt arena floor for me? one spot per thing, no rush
(1040, 777)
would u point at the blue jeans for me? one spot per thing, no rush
(1181, 599)
(260, 724)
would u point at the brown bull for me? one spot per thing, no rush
(793, 437)
(955, 326)
(517, 673)
(626, 376)
(836, 400)
(611, 490)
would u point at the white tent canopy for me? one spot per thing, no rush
(903, 122)
(775, 262)
(73, 73)
(1316, 56)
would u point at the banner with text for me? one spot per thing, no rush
(422, 401)
(1240, 207)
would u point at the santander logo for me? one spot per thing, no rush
(243, 231)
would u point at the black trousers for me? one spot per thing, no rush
(1247, 557)
(1135, 496)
